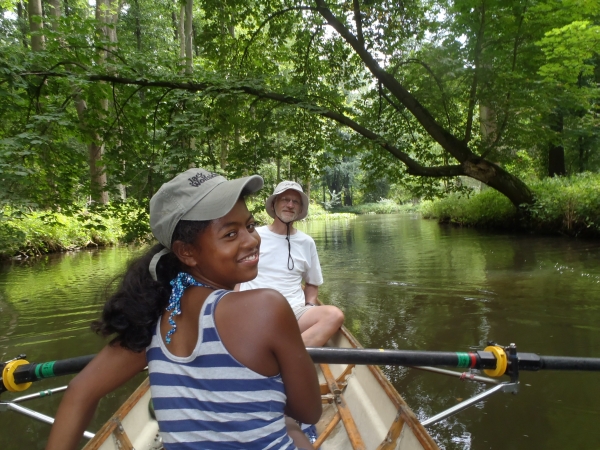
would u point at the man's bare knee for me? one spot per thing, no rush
(335, 316)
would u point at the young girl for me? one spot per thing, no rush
(225, 367)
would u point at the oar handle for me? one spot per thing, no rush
(34, 372)
(531, 361)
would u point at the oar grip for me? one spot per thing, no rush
(569, 363)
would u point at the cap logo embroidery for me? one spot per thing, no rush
(200, 178)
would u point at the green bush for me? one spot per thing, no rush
(315, 212)
(383, 206)
(39, 232)
(45, 232)
(567, 205)
(488, 208)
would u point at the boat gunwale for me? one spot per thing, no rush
(111, 424)
(401, 406)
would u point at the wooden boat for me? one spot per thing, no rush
(361, 410)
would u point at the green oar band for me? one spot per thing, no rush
(45, 370)
(464, 359)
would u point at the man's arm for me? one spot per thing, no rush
(310, 294)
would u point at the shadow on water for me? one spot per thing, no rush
(403, 283)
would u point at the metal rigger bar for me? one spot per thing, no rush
(13, 406)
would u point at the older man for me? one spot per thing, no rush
(287, 258)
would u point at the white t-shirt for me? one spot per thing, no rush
(273, 269)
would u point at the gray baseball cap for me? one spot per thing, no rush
(195, 194)
(281, 188)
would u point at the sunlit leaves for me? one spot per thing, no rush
(569, 51)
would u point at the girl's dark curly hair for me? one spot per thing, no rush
(133, 310)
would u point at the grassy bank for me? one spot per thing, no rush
(383, 206)
(315, 212)
(38, 232)
(564, 205)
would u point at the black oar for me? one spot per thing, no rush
(50, 369)
(27, 373)
(476, 360)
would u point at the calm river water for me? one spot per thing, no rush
(403, 283)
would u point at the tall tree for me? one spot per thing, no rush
(36, 24)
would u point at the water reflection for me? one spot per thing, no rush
(46, 309)
(411, 284)
(403, 283)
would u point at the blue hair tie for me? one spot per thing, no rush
(180, 283)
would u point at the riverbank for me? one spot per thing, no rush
(35, 233)
(41, 232)
(383, 206)
(564, 205)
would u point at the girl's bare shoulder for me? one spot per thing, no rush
(259, 304)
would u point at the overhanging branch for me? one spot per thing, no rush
(437, 172)
(447, 140)
(413, 166)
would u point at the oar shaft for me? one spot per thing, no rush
(327, 355)
(35, 372)
(477, 360)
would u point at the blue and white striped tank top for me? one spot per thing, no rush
(209, 400)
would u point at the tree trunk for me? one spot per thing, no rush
(106, 14)
(22, 22)
(55, 12)
(556, 153)
(138, 27)
(181, 32)
(224, 153)
(487, 124)
(189, 48)
(278, 162)
(470, 164)
(36, 24)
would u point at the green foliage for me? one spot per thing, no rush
(46, 232)
(488, 208)
(383, 206)
(523, 63)
(524, 166)
(39, 232)
(569, 51)
(567, 205)
(317, 212)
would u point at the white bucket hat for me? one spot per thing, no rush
(282, 187)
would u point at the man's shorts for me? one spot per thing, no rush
(301, 310)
